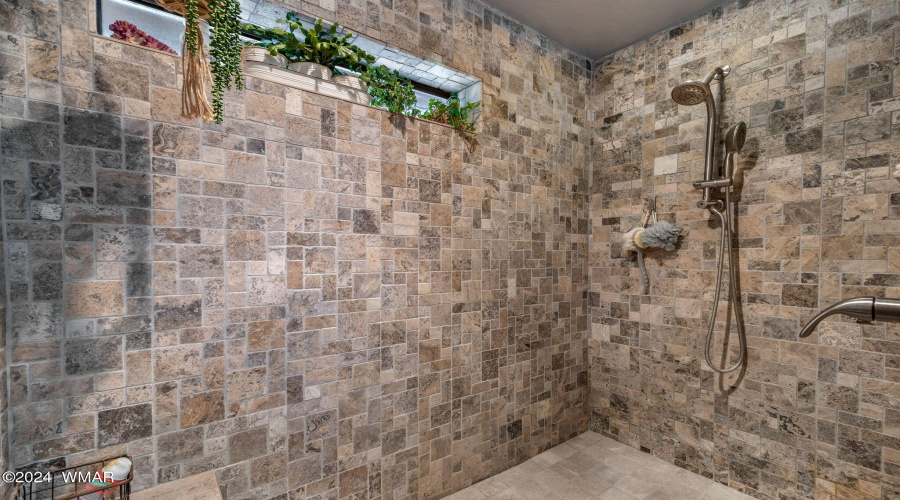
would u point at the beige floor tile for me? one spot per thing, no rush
(598, 452)
(673, 493)
(661, 466)
(691, 480)
(594, 467)
(470, 493)
(568, 472)
(491, 486)
(546, 459)
(507, 494)
(513, 475)
(615, 494)
(721, 492)
(531, 467)
(625, 464)
(553, 479)
(608, 473)
(575, 491)
(533, 490)
(580, 462)
(640, 484)
(585, 439)
(595, 483)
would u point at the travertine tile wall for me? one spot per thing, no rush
(819, 86)
(4, 373)
(313, 299)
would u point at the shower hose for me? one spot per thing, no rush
(725, 242)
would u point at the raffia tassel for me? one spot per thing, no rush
(197, 77)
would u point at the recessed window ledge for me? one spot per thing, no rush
(317, 86)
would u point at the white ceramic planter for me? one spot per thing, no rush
(261, 54)
(362, 97)
(350, 81)
(304, 82)
(311, 69)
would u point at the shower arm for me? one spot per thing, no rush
(862, 308)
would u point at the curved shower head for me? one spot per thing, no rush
(734, 139)
(690, 93)
(694, 92)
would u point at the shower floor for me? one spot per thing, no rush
(594, 467)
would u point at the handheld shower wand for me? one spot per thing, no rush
(690, 94)
(734, 141)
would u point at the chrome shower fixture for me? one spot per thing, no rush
(694, 92)
(734, 141)
(690, 94)
(866, 309)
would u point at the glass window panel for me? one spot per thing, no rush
(166, 27)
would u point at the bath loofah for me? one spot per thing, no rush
(661, 235)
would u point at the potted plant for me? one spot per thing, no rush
(353, 58)
(352, 81)
(453, 113)
(322, 50)
(389, 90)
(272, 47)
(224, 49)
(257, 53)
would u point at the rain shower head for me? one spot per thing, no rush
(734, 139)
(690, 93)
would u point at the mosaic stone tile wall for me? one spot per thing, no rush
(819, 86)
(4, 373)
(312, 299)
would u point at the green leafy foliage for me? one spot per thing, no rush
(324, 46)
(192, 26)
(225, 50)
(390, 91)
(278, 40)
(453, 113)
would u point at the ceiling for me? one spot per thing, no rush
(595, 28)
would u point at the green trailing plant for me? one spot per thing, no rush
(225, 50)
(453, 113)
(390, 91)
(192, 26)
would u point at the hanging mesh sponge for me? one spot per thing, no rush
(661, 235)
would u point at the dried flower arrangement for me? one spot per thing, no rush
(127, 32)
